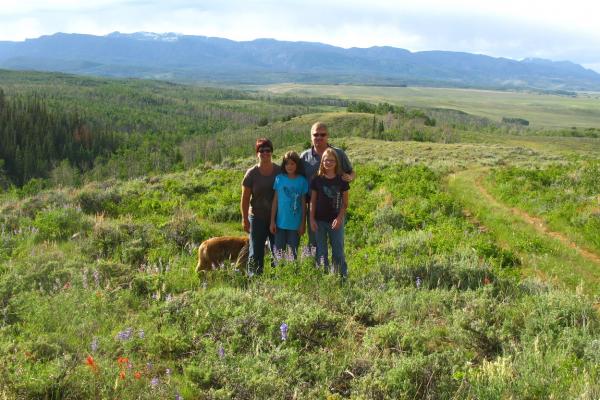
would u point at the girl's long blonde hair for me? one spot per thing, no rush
(330, 152)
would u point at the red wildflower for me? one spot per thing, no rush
(122, 360)
(137, 375)
(122, 374)
(91, 363)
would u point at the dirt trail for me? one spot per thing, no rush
(537, 223)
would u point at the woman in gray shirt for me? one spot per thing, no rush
(257, 197)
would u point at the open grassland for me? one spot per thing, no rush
(542, 110)
(454, 291)
(100, 299)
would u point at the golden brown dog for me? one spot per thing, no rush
(215, 251)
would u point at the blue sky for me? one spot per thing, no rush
(556, 30)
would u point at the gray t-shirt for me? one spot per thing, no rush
(311, 160)
(262, 191)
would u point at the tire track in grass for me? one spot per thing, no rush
(564, 261)
(538, 224)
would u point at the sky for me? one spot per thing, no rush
(516, 29)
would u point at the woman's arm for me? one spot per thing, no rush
(245, 206)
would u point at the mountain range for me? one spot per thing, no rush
(209, 59)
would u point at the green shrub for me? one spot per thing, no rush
(59, 224)
(184, 229)
(99, 201)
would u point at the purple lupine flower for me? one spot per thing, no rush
(154, 382)
(84, 278)
(94, 345)
(221, 351)
(125, 335)
(278, 253)
(168, 298)
(418, 282)
(96, 278)
(148, 366)
(305, 252)
(284, 331)
(289, 254)
(141, 334)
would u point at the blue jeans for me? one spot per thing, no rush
(259, 233)
(336, 238)
(284, 239)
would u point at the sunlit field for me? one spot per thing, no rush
(545, 110)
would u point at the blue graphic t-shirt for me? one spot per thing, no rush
(289, 200)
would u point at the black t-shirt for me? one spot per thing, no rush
(329, 196)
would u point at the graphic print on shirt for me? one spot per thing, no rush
(333, 192)
(294, 196)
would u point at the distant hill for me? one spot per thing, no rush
(199, 58)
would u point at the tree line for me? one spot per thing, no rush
(35, 139)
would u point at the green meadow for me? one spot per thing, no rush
(542, 110)
(474, 262)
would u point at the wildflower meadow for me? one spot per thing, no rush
(452, 292)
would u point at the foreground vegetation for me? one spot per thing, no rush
(449, 295)
(433, 308)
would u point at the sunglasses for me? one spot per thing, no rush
(319, 134)
(265, 150)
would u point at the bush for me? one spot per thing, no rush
(98, 201)
(184, 229)
(59, 224)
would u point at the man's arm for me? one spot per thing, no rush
(349, 177)
(349, 174)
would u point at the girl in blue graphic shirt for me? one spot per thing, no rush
(288, 212)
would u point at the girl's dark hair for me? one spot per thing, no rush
(263, 142)
(292, 155)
